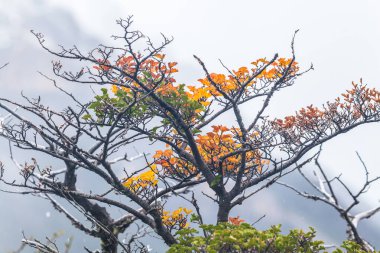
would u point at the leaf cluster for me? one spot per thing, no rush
(244, 238)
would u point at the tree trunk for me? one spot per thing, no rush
(109, 244)
(223, 211)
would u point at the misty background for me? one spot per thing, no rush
(341, 39)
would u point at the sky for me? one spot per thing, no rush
(341, 39)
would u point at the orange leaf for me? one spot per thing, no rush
(172, 64)
(160, 56)
(235, 220)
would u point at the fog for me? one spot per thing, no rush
(341, 39)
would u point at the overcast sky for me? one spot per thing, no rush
(341, 38)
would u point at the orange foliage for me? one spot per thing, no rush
(222, 148)
(144, 181)
(176, 219)
(215, 148)
(235, 220)
(102, 65)
(217, 84)
(357, 103)
(225, 150)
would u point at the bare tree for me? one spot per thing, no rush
(328, 193)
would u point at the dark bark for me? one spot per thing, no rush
(168, 238)
(70, 176)
(109, 243)
(223, 210)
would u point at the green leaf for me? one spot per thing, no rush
(86, 117)
(216, 181)
(196, 131)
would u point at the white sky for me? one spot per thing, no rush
(341, 38)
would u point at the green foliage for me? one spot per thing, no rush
(351, 247)
(106, 107)
(244, 238)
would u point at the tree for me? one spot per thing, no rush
(140, 104)
(327, 193)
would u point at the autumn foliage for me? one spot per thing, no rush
(140, 103)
